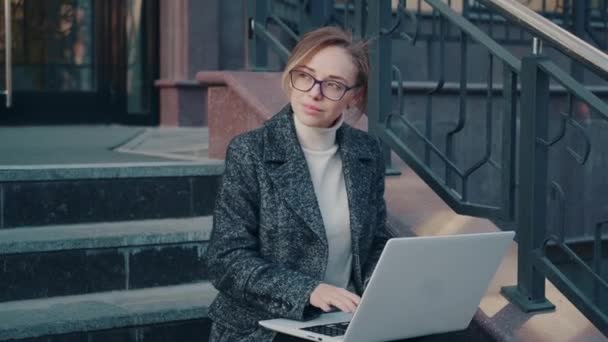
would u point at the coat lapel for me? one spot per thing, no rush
(288, 170)
(358, 165)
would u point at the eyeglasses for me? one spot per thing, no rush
(332, 90)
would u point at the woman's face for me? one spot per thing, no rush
(334, 66)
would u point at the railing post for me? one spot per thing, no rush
(258, 10)
(379, 88)
(313, 14)
(320, 12)
(509, 136)
(580, 17)
(359, 20)
(529, 294)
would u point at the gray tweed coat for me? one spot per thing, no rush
(268, 249)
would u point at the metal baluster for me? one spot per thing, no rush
(449, 145)
(380, 77)
(537, 46)
(604, 15)
(346, 10)
(258, 49)
(509, 132)
(8, 58)
(597, 261)
(359, 25)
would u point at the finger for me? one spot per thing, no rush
(352, 296)
(321, 303)
(346, 298)
(353, 300)
(344, 304)
(339, 305)
(352, 306)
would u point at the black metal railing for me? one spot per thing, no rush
(276, 25)
(555, 240)
(587, 19)
(433, 142)
(575, 264)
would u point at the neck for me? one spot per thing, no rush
(317, 138)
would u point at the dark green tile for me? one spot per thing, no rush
(204, 191)
(78, 201)
(166, 265)
(187, 331)
(43, 275)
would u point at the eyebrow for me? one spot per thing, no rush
(330, 76)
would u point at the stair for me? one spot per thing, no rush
(65, 194)
(84, 258)
(105, 316)
(107, 251)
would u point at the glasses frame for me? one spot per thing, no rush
(320, 83)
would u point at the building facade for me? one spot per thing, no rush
(112, 61)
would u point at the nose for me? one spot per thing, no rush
(315, 91)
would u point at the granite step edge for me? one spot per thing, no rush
(105, 235)
(55, 172)
(102, 311)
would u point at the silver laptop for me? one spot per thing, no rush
(421, 286)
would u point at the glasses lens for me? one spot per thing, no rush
(301, 80)
(333, 90)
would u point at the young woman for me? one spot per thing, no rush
(300, 218)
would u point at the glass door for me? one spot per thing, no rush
(78, 61)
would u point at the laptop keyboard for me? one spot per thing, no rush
(334, 329)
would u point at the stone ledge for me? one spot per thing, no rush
(180, 102)
(167, 83)
(52, 172)
(260, 90)
(102, 311)
(105, 235)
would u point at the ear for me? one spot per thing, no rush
(352, 114)
(355, 100)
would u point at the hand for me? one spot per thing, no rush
(324, 296)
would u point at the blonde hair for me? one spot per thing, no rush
(314, 41)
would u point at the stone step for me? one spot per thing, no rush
(39, 195)
(105, 316)
(40, 262)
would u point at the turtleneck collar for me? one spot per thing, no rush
(317, 138)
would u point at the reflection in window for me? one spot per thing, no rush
(135, 57)
(52, 45)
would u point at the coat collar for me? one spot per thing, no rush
(281, 142)
(287, 167)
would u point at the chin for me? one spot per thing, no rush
(315, 122)
(310, 120)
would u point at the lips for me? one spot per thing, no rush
(310, 109)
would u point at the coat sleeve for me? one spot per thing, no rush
(381, 231)
(233, 260)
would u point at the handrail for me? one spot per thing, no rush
(276, 45)
(570, 44)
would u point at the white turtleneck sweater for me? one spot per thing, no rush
(325, 166)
